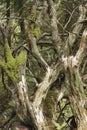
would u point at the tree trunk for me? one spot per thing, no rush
(22, 105)
(32, 113)
(77, 98)
(74, 85)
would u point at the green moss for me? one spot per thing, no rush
(32, 17)
(21, 59)
(8, 53)
(33, 27)
(36, 31)
(11, 70)
(12, 64)
(3, 64)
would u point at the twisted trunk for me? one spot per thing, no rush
(32, 113)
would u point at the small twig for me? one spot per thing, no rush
(43, 35)
(69, 19)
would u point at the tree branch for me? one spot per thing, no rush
(36, 52)
(77, 29)
(53, 19)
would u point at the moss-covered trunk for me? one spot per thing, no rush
(15, 70)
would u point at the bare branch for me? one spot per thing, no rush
(53, 18)
(72, 61)
(41, 16)
(43, 35)
(69, 19)
(33, 39)
(36, 52)
(77, 29)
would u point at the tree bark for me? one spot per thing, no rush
(33, 111)
(74, 85)
(23, 106)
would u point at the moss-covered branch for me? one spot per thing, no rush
(11, 65)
